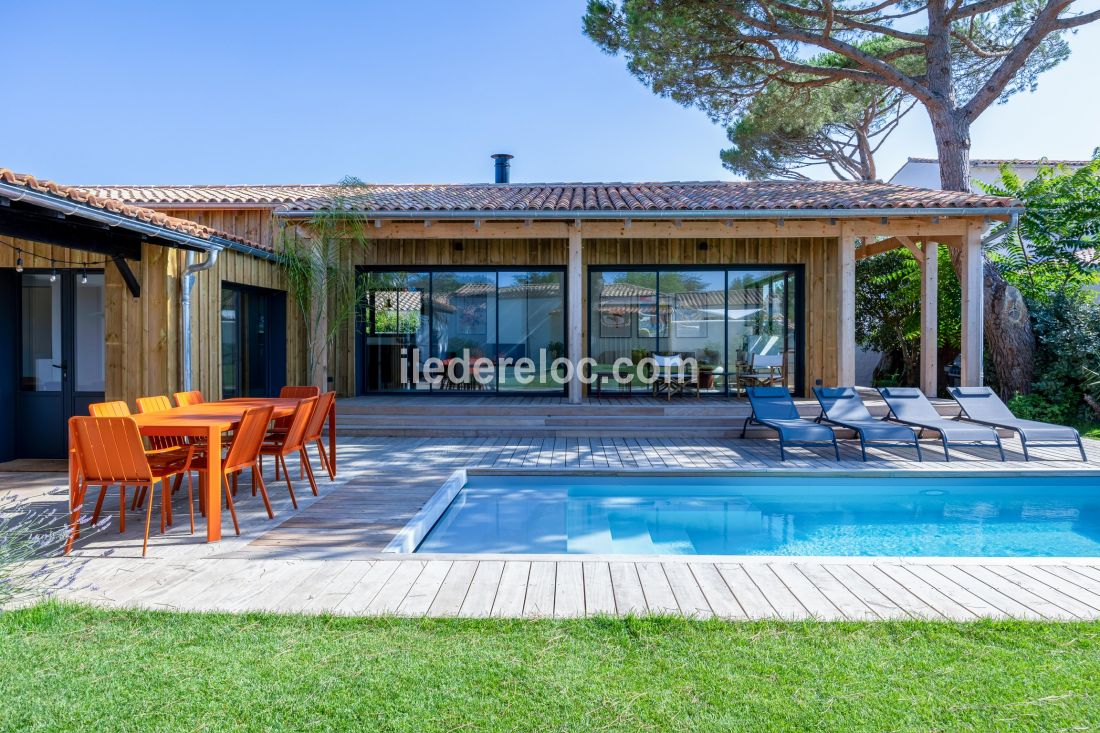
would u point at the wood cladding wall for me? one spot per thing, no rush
(817, 256)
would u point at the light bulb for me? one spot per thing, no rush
(53, 276)
(83, 278)
(19, 264)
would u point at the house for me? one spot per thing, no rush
(925, 172)
(718, 270)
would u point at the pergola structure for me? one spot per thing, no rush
(968, 248)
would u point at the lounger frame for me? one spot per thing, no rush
(943, 437)
(1024, 443)
(863, 439)
(752, 419)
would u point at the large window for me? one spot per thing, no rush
(477, 323)
(732, 321)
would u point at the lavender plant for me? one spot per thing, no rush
(32, 543)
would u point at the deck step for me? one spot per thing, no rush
(543, 417)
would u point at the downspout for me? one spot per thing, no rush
(186, 285)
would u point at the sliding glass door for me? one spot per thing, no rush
(394, 324)
(477, 325)
(722, 317)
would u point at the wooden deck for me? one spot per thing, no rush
(638, 415)
(326, 556)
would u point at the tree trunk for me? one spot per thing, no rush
(1008, 336)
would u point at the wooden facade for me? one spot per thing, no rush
(818, 256)
(142, 335)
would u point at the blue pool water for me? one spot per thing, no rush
(1039, 516)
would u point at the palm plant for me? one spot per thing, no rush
(319, 262)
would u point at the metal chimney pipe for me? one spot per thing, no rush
(502, 166)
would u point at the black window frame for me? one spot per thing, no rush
(798, 270)
(361, 321)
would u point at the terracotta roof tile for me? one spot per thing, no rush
(260, 196)
(643, 197)
(115, 206)
(563, 197)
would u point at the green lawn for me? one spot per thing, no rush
(72, 668)
(1090, 430)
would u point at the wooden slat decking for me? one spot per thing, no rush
(326, 557)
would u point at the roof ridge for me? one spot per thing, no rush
(477, 184)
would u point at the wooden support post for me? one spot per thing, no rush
(973, 306)
(846, 311)
(575, 289)
(929, 322)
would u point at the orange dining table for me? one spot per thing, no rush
(205, 420)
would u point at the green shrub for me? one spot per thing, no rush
(1038, 407)
(1067, 332)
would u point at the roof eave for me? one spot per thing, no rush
(74, 208)
(69, 207)
(663, 214)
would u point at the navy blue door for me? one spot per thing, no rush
(60, 368)
(9, 361)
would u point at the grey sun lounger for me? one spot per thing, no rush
(982, 405)
(773, 408)
(908, 405)
(842, 406)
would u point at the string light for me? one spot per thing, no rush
(53, 275)
(52, 262)
(84, 277)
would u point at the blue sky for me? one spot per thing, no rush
(281, 92)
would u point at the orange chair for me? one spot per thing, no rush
(244, 452)
(160, 403)
(108, 451)
(314, 429)
(302, 392)
(186, 399)
(109, 409)
(281, 444)
(290, 392)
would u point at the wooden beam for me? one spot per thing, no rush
(877, 248)
(916, 251)
(635, 229)
(929, 319)
(575, 288)
(72, 233)
(846, 311)
(973, 306)
(128, 276)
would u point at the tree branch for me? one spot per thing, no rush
(885, 73)
(1077, 20)
(1045, 23)
(976, 49)
(842, 20)
(983, 6)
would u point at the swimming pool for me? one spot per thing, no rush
(883, 515)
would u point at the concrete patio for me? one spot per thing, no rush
(326, 557)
